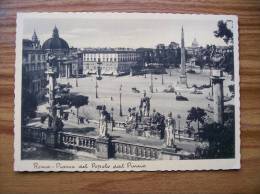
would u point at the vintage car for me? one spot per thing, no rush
(135, 90)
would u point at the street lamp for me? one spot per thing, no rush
(77, 68)
(162, 80)
(96, 88)
(179, 126)
(151, 86)
(112, 118)
(120, 105)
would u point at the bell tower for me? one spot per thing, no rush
(35, 40)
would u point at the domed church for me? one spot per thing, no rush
(56, 45)
(69, 60)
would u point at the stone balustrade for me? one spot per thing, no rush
(132, 151)
(34, 134)
(103, 148)
(76, 141)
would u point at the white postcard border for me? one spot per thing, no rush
(157, 165)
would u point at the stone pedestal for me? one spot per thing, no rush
(218, 97)
(51, 138)
(103, 147)
(170, 153)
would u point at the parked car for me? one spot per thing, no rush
(181, 98)
(135, 90)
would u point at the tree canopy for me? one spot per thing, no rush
(197, 114)
(29, 101)
(224, 32)
(78, 100)
(221, 141)
(220, 138)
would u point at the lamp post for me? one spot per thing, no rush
(151, 86)
(120, 100)
(112, 118)
(162, 80)
(96, 89)
(179, 126)
(77, 68)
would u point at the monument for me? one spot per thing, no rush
(145, 105)
(103, 141)
(183, 76)
(170, 130)
(54, 123)
(218, 100)
(169, 152)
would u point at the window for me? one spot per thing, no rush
(32, 57)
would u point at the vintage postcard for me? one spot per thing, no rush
(126, 92)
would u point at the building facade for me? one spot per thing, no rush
(111, 61)
(34, 67)
(69, 59)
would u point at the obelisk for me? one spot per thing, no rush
(183, 77)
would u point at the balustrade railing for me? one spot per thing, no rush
(131, 151)
(34, 134)
(117, 149)
(76, 141)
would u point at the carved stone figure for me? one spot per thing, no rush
(104, 118)
(145, 105)
(132, 120)
(170, 130)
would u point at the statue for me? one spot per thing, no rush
(104, 118)
(154, 116)
(132, 120)
(170, 130)
(145, 105)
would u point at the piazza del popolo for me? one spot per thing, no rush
(103, 124)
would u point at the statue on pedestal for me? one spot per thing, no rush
(170, 130)
(104, 119)
(145, 105)
(54, 122)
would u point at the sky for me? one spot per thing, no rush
(131, 33)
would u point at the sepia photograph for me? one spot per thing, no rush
(126, 92)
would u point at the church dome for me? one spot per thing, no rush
(195, 43)
(55, 43)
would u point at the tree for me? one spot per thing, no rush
(224, 32)
(220, 141)
(197, 114)
(29, 100)
(29, 105)
(78, 101)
